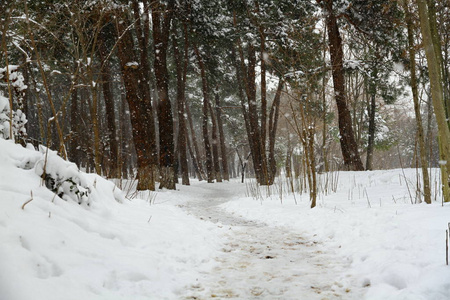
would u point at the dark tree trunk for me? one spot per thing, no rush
(113, 153)
(273, 124)
(74, 143)
(143, 31)
(215, 146)
(138, 111)
(246, 81)
(205, 88)
(181, 86)
(223, 148)
(194, 161)
(371, 132)
(124, 127)
(349, 148)
(196, 154)
(240, 78)
(253, 116)
(161, 18)
(142, 26)
(264, 162)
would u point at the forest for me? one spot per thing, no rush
(225, 149)
(165, 91)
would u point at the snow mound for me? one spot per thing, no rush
(61, 177)
(53, 248)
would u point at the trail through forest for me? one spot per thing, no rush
(363, 241)
(264, 262)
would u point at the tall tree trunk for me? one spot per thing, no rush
(324, 147)
(433, 59)
(161, 18)
(143, 34)
(142, 26)
(349, 148)
(223, 148)
(181, 86)
(215, 146)
(124, 134)
(74, 127)
(194, 160)
(371, 133)
(138, 111)
(113, 154)
(196, 154)
(420, 132)
(248, 75)
(273, 124)
(288, 161)
(438, 49)
(253, 117)
(264, 167)
(205, 88)
(239, 66)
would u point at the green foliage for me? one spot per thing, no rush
(66, 188)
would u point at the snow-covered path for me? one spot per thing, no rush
(264, 262)
(363, 241)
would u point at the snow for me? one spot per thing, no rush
(396, 250)
(365, 240)
(132, 64)
(56, 249)
(4, 117)
(16, 78)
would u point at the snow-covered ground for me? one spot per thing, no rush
(363, 241)
(394, 249)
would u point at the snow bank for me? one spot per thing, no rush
(113, 248)
(397, 250)
(56, 249)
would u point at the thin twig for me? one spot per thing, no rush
(31, 199)
(368, 201)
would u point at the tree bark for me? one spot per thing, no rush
(264, 167)
(438, 49)
(142, 25)
(420, 132)
(74, 128)
(431, 51)
(161, 18)
(215, 146)
(113, 153)
(273, 124)
(205, 89)
(139, 120)
(195, 155)
(349, 147)
(247, 75)
(255, 130)
(371, 133)
(223, 148)
(240, 78)
(181, 70)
